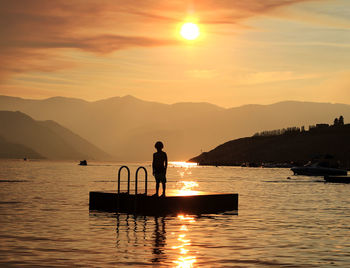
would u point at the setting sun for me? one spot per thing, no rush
(189, 31)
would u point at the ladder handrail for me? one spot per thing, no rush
(136, 177)
(119, 171)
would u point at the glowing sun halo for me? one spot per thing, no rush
(189, 31)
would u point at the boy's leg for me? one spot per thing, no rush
(164, 187)
(157, 188)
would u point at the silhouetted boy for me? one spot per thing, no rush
(159, 166)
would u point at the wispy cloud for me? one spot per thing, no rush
(34, 33)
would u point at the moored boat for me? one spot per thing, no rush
(316, 170)
(337, 179)
(83, 163)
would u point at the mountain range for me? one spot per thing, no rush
(127, 127)
(21, 136)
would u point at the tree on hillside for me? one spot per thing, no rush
(341, 121)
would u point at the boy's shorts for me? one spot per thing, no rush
(160, 177)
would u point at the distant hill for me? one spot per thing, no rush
(43, 139)
(297, 147)
(13, 150)
(127, 127)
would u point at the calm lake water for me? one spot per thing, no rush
(45, 220)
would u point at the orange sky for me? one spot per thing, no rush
(249, 51)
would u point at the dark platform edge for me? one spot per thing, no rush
(171, 205)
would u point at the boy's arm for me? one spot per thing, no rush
(165, 161)
(153, 165)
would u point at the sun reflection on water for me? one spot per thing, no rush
(182, 164)
(187, 188)
(183, 168)
(184, 260)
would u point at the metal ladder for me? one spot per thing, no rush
(136, 179)
(136, 184)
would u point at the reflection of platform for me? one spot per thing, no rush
(175, 202)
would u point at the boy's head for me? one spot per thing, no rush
(159, 145)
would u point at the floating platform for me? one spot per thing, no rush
(337, 179)
(174, 203)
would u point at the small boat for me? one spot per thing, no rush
(317, 170)
(83, 163)
(337, 179)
